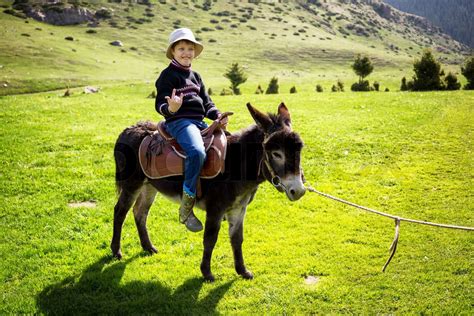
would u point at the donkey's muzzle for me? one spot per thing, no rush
(295, 194)
(294, 188)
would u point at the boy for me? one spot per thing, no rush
(183, 101)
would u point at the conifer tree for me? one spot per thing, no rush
(236, 76)
(427, 73)
(362, 67)
(404, 86)
(452, 82)
(468, 71)
(272, 86)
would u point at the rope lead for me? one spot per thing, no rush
(398, 219)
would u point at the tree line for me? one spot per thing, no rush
(428, 76)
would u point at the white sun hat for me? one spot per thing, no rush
(183, 34)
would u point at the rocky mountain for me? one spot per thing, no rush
(455, 17)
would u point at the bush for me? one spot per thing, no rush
(259, 90)
(404, 86)
(362, 66)
(427, 73)
(236, 76)
(334, 88)
(272, 86)
(361, 86)
(152, 95)
(468, 71)
(451, 82)
(340, 85)
(103, 14)
(376, 86)
(226, 92)
(387, 90)
(293, 89)
(209, 91)
(319, 88)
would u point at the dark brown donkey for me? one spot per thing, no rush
(269, 150)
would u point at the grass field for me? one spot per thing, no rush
(404, 153)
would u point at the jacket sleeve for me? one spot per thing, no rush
(211, 110)
(163, 88)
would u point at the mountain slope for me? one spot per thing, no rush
(294, 41)
(455, 17)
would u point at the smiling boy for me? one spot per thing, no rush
(183, 101)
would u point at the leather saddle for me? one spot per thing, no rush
(161, 156)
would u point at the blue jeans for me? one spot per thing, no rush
(187, 133)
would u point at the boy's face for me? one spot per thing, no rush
(183, 52)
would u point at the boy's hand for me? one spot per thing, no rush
(174, 102)
(224, 120)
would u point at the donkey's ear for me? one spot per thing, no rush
(262, 120)
(284, 114)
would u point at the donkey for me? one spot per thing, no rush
(266, 151)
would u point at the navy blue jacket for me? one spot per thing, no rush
(196, 102)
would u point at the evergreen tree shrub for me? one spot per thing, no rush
(376, 86)
(259, 90)
(468, 71)
(361, 86)
(293, 89)
(362, 66)
(226, 92)
(236, 76)
(427, 73)
(404, 86)
(272, 86)
(319, 88)
(340, 85)
(451, 82)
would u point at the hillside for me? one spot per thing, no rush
(455, 17)
(294, 41)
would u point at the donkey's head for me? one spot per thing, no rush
(282, 147)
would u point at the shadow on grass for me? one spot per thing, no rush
(98, 290)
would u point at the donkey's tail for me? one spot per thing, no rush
(127, 166)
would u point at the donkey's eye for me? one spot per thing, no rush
(277, 155)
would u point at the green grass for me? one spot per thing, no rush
(404, 153)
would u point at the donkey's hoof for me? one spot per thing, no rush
(117, 255)
(150, 249)
(247, 275)
(209, 278)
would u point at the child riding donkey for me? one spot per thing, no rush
(183, 101)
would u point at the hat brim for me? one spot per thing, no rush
(197, 48)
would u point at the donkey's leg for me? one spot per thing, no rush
(236, 232)
(211, 232)
(127, 196)
(140, 212)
